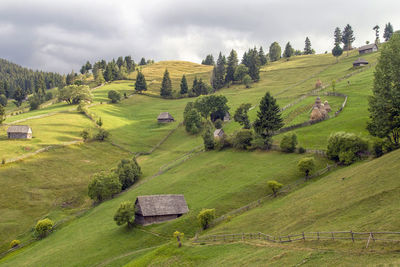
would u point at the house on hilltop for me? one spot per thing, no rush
(159, 208)
(360, 62)
(19, 132)
(368, 49)
(165, 117)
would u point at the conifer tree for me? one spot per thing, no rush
(376, 29)
(254, 64)
(268, 118)
(263, 57)
(338, 36)
(289, 51)
(140, 84)
(166, 86)
(388, 32)
(307, 48)
(184, 85)
(218, 77)
(108, 73)
(232, 65)
(348, 38)
(99, 77)
(142, 61)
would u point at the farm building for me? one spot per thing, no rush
(19, 132)
(368, 49)
(227, 116)
(165, 117)
(218, 133)
(159, 208)
(360, 62)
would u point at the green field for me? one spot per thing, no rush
(225, 180)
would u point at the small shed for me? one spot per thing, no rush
(165, 117)
(159, 208)
(227, 116)
(19, 132)
(218, 133)
(367, 49)
(360, 62)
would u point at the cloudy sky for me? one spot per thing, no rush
(61, 35)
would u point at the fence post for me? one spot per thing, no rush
(333, 238)
(318, 236)
(242, 236)
(280, 240)
(259, 235)
(304, 238)
(289, 238)
(352, 235)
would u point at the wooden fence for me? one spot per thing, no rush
(311, 236)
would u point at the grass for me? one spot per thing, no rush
(53, 182)
(53, 130)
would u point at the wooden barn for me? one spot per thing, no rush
(360, 62)
(218, 133)
(165, 117)
(19, 132)
(227, 116)
(368, 49)
(159, 208)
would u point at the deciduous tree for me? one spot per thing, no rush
(275, 51)
(125, 214)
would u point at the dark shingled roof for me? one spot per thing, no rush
(218, 132)
(19, 129)
(365, 47)
(165, 116)
(154, 205)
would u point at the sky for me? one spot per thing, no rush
(61, 35)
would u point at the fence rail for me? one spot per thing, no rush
(334, 235)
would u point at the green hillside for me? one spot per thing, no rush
(225, 180)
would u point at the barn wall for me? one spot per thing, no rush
(19, 136)
(153, 219)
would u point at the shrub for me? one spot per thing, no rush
(34, 102)
(247, 80)
(377, 148)
(301, 150)
(3, 161)
(128, 172)
(208, 138)
(345, 147)
(99, 122)
(205, 217)
(102, 135)
(242, 139)
(260, 143)
(289, 143)
(3, 100)
(48, 96)
(114, 96)
(223, 142)
(15, 243)
(103, 186)
(274, 186)
(179, 236)
(86, 135)
(193, 122)
(43, 228)
(125, 214)
(306, 165)
(81, 107)
(218, 124)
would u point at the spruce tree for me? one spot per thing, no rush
(184, 85)
(289, 51)
(268, 118)
(338, 36)
(99, 77)
(376, 29)
(140, 84)
(388, 32)
(166, 86)
(307, 48)
(218, 77)
(254, 64)
(263, 57)
(142, 62)
(347, 38)
(108, 73)
(2, 114)
(232, 65)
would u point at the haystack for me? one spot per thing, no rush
(316, 114)
(327, 106)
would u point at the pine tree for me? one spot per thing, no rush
(209, 60)
(388, 31)
(142, 62)
(263, 57)
(232, 65)
(108, 73)
(338, 36)
(307, 48)
(289, 51)
(376, 29)
(99, 77)
(130, 64)
(275, 51)
(2, 114)
(347, 38)
(184, 85)
(245, 59)
(166, 86)
(88, 66)
(254, 64)
(218, 77)
(268, 118)
(140, 84)
(120, 62)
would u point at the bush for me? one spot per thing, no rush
(102, 135)
(15, 243)
(223, 142)
(179, 236)
(377, 148)
(193, 122)
(114, 96)
(128, 172)
(247, 80)
(81, 107)
(218, 124)
(43, 228)
(301, 150)
(34, 102)
(260, 143)
(289, 143)
(86, 135)
(306, 165)
(243, 139)
(3, 100)
(208, 138)
(345, 147)
(48, 96)
(274, 186)
(205, 217)
(103, 186)
(125, 214)
(99, 122)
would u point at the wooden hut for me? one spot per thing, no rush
(227, 116)
(360, 62)
(218, 133)
(159, 208)
(19, 132)
(367, 49)
(165, 117)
